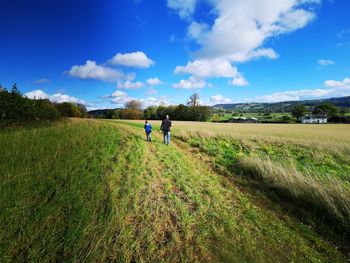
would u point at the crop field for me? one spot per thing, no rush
(96, 191)
(274, 116)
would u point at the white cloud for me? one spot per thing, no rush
(57, 97)
(190, 83)
(325, 62)
(120, 98)
(239, 81)
(219, 68)
(119, 93)
(90, 70)
(255, 54)
(37, 94)
(135, 59)
(151, 101)
(242, 27)
(154, 81)
(332, 88)
(196, 30)
(294, 95)
(219, 99)
(185, 8)
(337, 83)
(208, 68)
(239, 32)
(42, 81)
(130, 85)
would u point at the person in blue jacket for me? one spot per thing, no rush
(148, 130)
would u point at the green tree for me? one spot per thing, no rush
(150, 113)
(328, 109)
(298, 111)
(132, 110)
(69, 109)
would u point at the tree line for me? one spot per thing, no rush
(193, 111)
(329, 110)
(17, 109)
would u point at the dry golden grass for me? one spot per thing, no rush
(330, 136)
(331, 195)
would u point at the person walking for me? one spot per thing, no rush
(165, 127)
(148, 130)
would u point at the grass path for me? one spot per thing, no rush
(196, 214)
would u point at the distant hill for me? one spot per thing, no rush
(284, 106)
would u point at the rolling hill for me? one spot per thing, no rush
(284, 106)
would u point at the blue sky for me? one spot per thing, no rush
(104, 53)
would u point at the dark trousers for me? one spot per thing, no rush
(148, 136)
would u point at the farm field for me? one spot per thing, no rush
(96, 191)
(274, 116)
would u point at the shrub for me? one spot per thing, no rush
(16, 109)
(68, 109)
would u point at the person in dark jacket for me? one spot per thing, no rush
(148, 130)
(165, 127)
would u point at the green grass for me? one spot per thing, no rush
(273, 117)
(95, 191)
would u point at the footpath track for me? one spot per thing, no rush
(172, 207)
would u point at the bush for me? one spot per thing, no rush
(16, 109)
(68, 109)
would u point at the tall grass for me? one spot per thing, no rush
(54, 186)
(331, 196)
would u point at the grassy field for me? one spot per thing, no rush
(273, 117)
(96, 191)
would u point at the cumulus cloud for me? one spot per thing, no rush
(219, 99)
(120, 98)
(154, 81)
(208, 68)
(130, 85)
(152, 101)
(337, 83)
(239, 81)
(218, 68)
(56, 97)
(325, 62)
(190, 83)
(294, 95)
(185, 8)
(90, 70)
(196, 30)
(242, 27)
(332, 88)
(239, 31)
(135, 59)
(37, 94)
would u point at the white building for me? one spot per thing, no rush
(314, 119)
